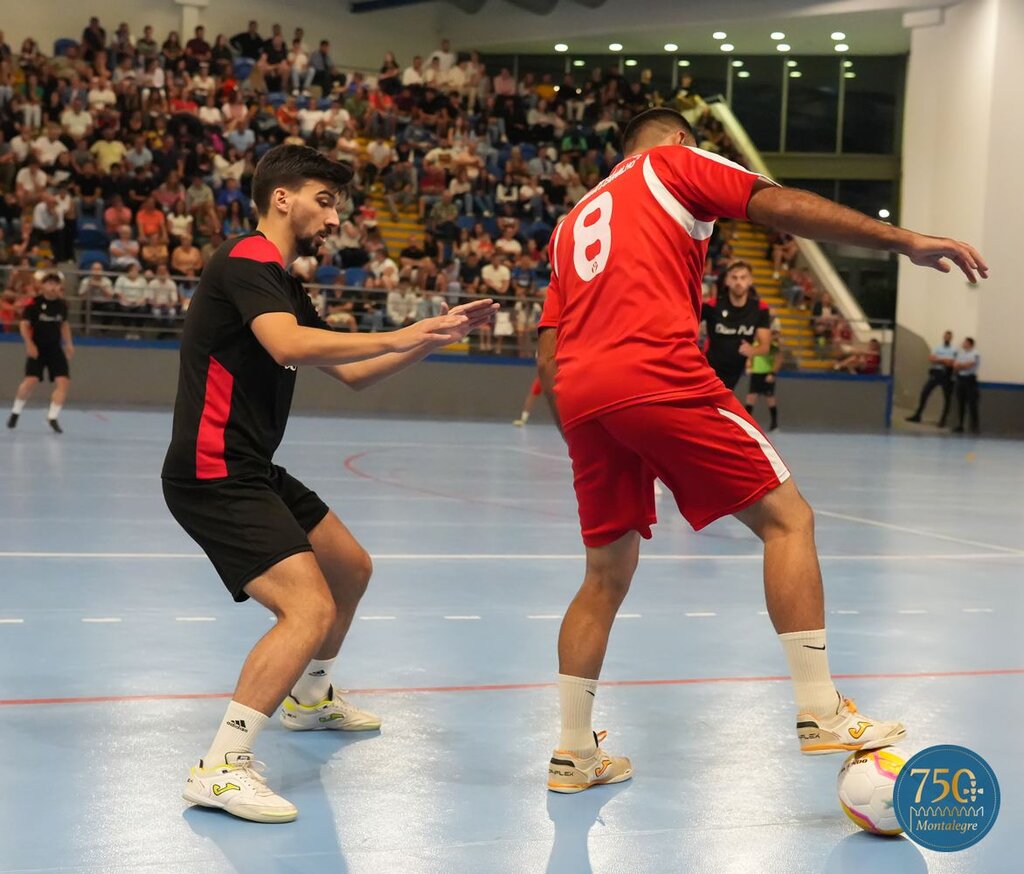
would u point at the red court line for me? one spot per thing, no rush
(513, 687)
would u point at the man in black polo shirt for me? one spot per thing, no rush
(249, 326)
(48, 345)
(738, 325)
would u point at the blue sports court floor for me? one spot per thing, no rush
(118, 648)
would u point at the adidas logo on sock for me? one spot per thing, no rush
(239, 724)
(320, 673)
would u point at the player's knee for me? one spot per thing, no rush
(362, 571)
(795, 517)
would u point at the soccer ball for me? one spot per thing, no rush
(865, 787)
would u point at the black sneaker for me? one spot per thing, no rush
(958, 430)
(55, 425)
(914, 419)
(12, 420)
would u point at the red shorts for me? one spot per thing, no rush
(536, 389)
(708, 451)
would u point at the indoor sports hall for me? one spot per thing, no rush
(472, 147)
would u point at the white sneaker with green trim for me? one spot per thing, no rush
(334, 713)
(237, 787)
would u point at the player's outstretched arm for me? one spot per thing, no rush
(291, 344)
(363, 374)
(546, 366)
(807, 215)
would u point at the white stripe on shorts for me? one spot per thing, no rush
(778, 465)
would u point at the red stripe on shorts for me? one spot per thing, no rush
(210, 462)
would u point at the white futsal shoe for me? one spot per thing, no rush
(333, 713)
(568, 773)
(845, 730)
(237, 787)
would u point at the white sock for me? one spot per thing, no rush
(576, 697)
(808, 665)
(54, 411)
(314, 684)
(237, 733)
(525, 416)
(18, 406)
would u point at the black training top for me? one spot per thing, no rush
(728, 326)
(233, 398)
(46, 317)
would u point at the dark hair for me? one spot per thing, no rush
(969, 340)
(290, 167)
(668, 119)
(739, 265)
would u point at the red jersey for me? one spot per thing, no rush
(625, 292)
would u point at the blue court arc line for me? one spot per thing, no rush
(514, 687)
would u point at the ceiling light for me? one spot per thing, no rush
(737, 63)
(719, 34)
(783, 47)
(883, 213)
(849, 75)
(842, 47)
(631, 62)
(778, 34)
(615, 47)
(791, 63)
(847, 64)
(795, 74)
(727, 47)
(744, 74)
(579, 63)
(561, 47)
(838, 36)
(558, 88)
(684, 63)
(671, 47)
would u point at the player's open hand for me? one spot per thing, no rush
(436, 331)
(477, 312)
(746, 350)
(938, 252)
(32, 350)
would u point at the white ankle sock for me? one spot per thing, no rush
(808, 665)
(54, 411)
(18, 407)
(525, 416)
(314, 684)
(576, 697)
(237, 732)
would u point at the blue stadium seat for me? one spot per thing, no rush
(91, 238)
(528, 151)
(491, 226)
(541, 232)
(88, 257)
(243, 67)
(276, 98)
(61, 45)
(326, 274)
(465, 222)
(355, 276)
(324, 103)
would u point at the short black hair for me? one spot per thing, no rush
(662, 117)
(969, 340)
(289, 166)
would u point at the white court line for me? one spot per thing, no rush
(629, 616)
(571, 556)
(701, 614)
(911, 612)
(12, 621)
(195, 618)
(846, 612)
(919, 532)
(101, 618)
(762, 612)
(543, 616)
(461, 618)
(977, 609)
(375, 618)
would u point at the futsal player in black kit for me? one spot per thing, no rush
(48, 345)
(738, 325)
(270, 538)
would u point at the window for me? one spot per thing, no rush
(874, 92)
(813, 110)
(757, 99)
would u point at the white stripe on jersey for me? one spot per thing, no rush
(668, 202)
(778, 465)
(554, 249)
(714, 156)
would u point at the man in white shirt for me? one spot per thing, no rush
(496, 276)
(76, 120)
(30, 183)
(309, 116)
(435, 76)
(508, 245)
(139, 155)
(48, 224)
(379, 156)
(203, 83)
(336, 118)
(445, 56)
(101, 95)
(163, 297)
(48, 146)
(132, 293)
(21, 144)
(384, 271)
(403, 304)
(412, 76)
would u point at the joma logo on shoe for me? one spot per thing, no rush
(227, 787)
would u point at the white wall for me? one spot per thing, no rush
(356, 40)
(964, 121)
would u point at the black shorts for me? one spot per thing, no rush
(759, 385)
(729, 377)
(52, 360)
(246, 524)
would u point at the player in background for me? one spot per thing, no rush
(763, 372)
(250, 325)
(536, 390)
(48, 347)
(738, 325)
(637, 399)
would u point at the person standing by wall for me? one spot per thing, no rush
(940, 375)
(966, 366)
(763, 372)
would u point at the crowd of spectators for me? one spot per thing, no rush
(131, 158)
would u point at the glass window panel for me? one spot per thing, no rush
(874, 88)
(757, 99)
(813, 105)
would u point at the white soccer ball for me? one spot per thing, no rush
(865, 787)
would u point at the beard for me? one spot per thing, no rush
(308, 246)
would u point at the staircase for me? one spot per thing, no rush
(395, 234)
(750, 243)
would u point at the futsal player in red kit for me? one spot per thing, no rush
(638, 400)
